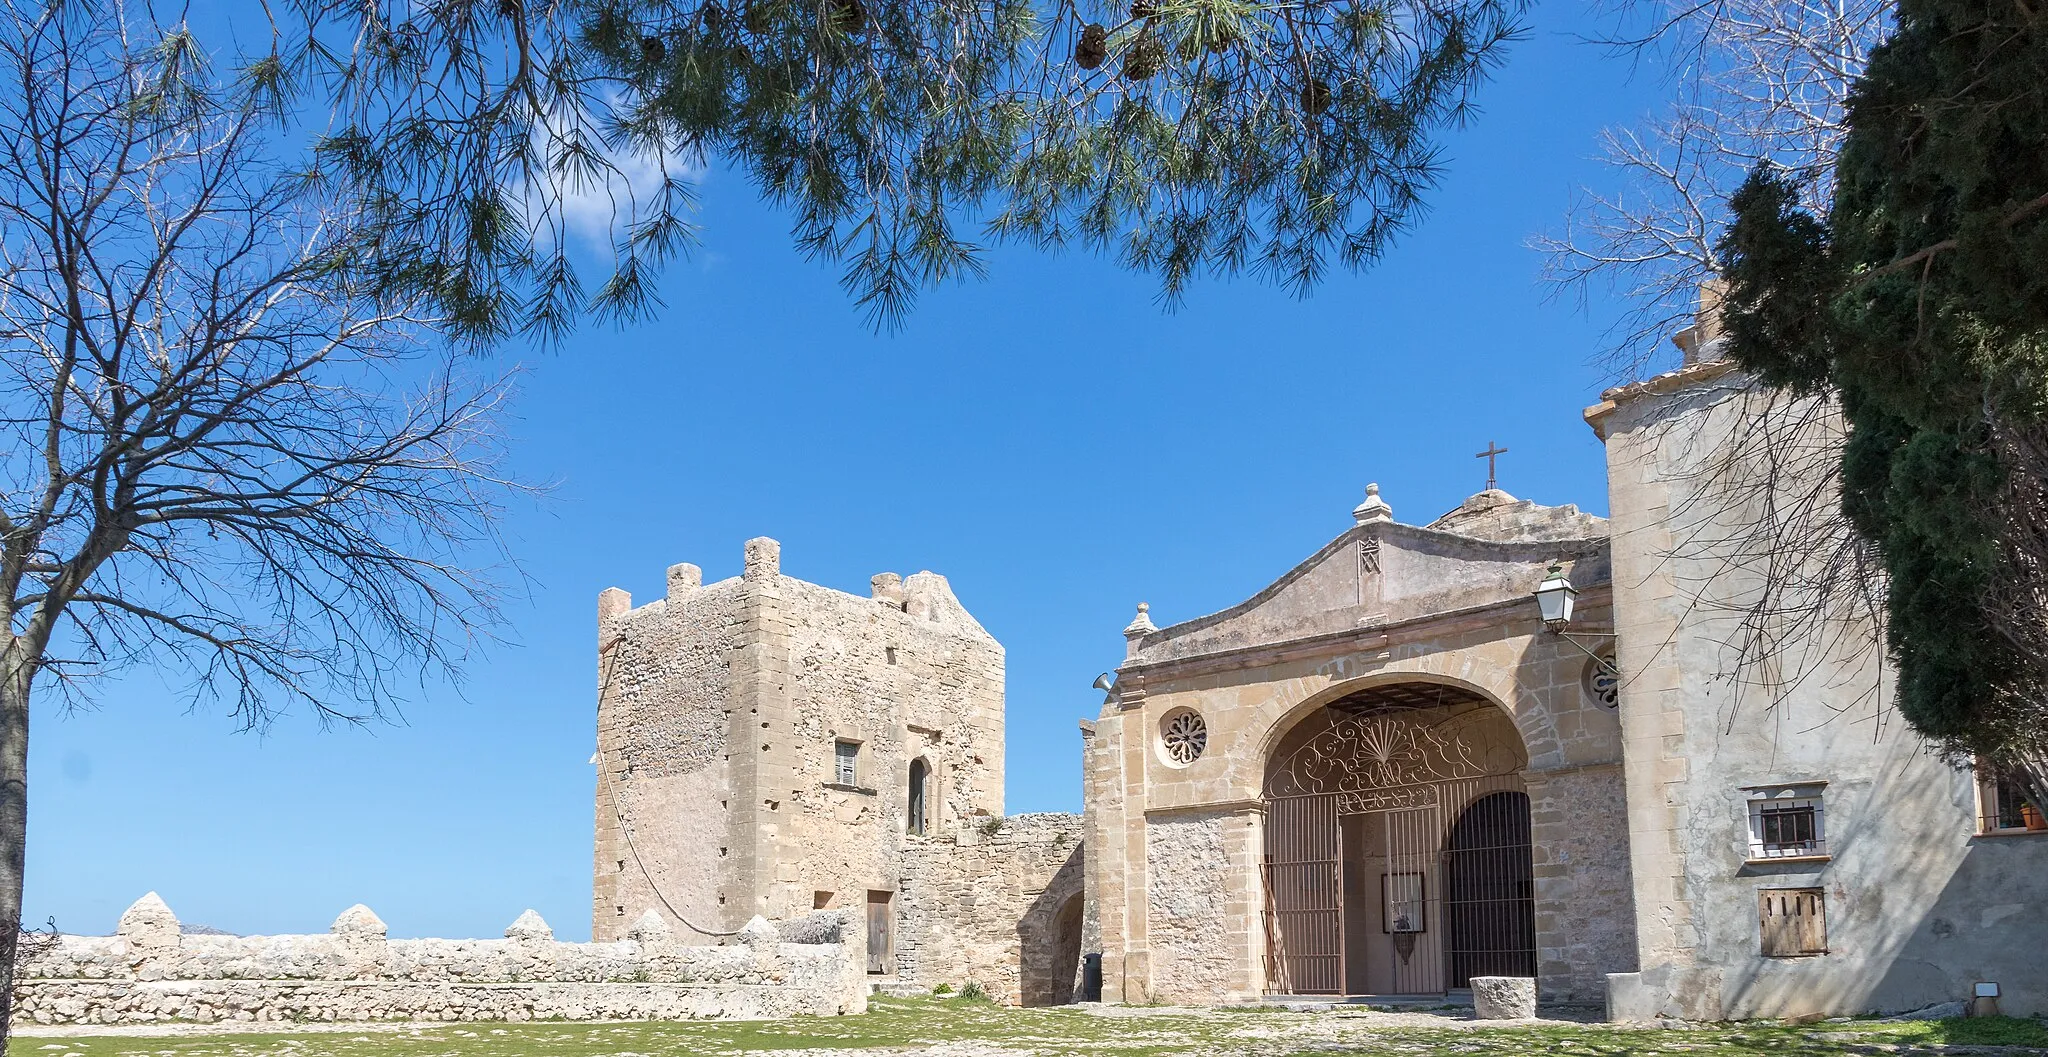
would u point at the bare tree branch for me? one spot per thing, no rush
(230, 448)
(1754, 81)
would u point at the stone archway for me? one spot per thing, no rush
(1363, 798)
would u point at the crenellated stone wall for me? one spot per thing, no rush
(148, 971)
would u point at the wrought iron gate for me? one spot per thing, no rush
(1393, 861)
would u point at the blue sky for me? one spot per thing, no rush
(1048, 439)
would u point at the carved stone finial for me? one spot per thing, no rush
(358, 920)
(1142, 625)
(1374, 509)
(529, 926)
(650, 928)
(148, 917)
(758, 932)
(152, 935)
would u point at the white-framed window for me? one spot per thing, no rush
(1787, 822)
(845, 762)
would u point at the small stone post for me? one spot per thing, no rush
(764, 559)
(657, 945)
(533, 946)
(151, 932)
(1139, 627)
(359, 936)
(682, 580)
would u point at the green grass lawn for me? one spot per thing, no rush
(977, 1029)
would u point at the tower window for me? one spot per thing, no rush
(846, 762)
(914, 818)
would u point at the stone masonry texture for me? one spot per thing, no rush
(148, 972)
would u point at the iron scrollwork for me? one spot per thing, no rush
(1386, 758)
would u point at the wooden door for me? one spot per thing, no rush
(880, 947)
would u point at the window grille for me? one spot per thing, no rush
(1792, 921)
(1786, 827)
(2001, 808)
(846, 758)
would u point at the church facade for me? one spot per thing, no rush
(1383, 775)
(1379, 776)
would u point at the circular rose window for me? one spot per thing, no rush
(1182, 736)
(1601, 684)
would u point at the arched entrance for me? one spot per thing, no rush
(1489, 890)
(1397, 846)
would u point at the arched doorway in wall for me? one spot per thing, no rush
(1489, 890)
(1393, 861)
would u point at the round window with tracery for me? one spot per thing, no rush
(1602, 685)
(1182, 736)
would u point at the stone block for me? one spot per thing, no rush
(1504, 997)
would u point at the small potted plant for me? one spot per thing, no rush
(2032, 817)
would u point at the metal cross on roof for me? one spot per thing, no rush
(1489, 455)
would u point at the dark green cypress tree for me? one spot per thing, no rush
(1922, 300)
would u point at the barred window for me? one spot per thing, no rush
(1782, 827)
(2003, 808)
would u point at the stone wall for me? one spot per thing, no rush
(909, 675)
(667, 699)
(148, 971)
(1190, 907)
(1000, 905)
(1585, 916)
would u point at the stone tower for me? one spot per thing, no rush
(769, 746)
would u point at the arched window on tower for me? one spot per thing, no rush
(920, 777)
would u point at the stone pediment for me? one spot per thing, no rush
(1492, 549)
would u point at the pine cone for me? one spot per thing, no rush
(1143, 8)
(1315, 98)
(1093, 47)
(652, 50)
(849, 17)
(1145, 57)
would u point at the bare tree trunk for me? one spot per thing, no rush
(16, 675)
